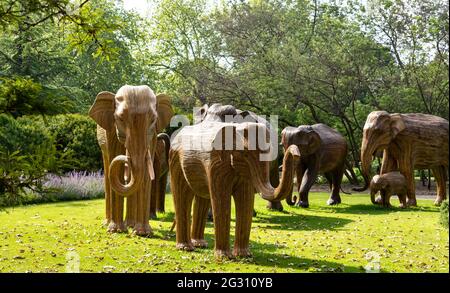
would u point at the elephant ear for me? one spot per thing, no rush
(255, 136)
(397, 124)
(314, 141)
(200, 114)
(165, 112)
(102, 111)
(288, 136)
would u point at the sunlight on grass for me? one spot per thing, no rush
(37, 238)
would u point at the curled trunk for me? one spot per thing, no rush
(291, 200)
(116, 176)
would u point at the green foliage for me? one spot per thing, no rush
(75, 137)
(22, 96)
(305, 61)
(27, 153)
(444, 213)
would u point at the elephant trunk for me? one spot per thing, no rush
(261, 179)
(164, 137)
(372, 196)
(366, 160)
(116, 174)
(138, 159)
(289, 199)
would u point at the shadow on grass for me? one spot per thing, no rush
(371, 209)
(265, 254)
(277, 260)
(283, 221)
(69, 203)
(289, 221)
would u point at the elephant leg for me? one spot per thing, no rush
(161, 195)
(107, 188)
(389, 163)
(244, 199)
(336, 176)
(142, 226)
(275, 206)
(405, 166)
(410, 187)
(387, 199)
(131, 208)
(200, 213)
(210, 215)
(440, 176)
(402, 199)
(116, 224)
(116, 204)
(154, 187)
(329, 177)
(220, 191)
(182, 199)
(153, 194)
(308, 180)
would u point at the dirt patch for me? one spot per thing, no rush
(421, 191)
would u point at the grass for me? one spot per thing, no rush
(40, 238)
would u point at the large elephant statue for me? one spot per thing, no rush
(218, 113)
(409, 142)
(161, 166)
(127, 126)
(213, 172)
(322, 151)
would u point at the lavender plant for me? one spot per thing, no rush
(71, 186)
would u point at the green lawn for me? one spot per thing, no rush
(38, 238)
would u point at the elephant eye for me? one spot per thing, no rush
(119, 118)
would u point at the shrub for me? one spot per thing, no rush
(27, 152)
(23, 96)
(444, 213)
(75, 136)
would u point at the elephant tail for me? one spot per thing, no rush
(173, 226)
(345, 192)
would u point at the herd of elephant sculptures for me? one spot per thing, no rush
(138, 157)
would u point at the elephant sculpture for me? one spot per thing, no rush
(127, 127)
(213, 173)
(218, 112)
(409, 142)
(388, 184)
(161, 166)
(322, 150)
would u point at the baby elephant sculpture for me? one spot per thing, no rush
(388, 184)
